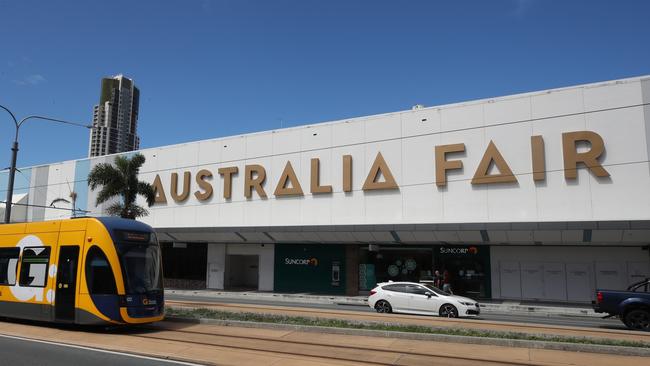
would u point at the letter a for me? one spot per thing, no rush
(160, 191)
(379, 167)
(505, 174)
(288, 176)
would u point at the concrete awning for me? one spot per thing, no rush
(530, 233)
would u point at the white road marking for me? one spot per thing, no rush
(100, 350)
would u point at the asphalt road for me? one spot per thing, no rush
(575, 321)
(25, 352)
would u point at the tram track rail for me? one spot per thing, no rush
(212, 344)
(316, 350)
(400, 319)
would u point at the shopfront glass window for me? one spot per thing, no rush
(466, 269)
(407, 264)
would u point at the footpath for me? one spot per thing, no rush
(489, 307)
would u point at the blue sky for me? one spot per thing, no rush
(217, 68)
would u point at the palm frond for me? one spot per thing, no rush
(149, 193)
(109, 191)
(122, 163)
(115, 209)
(102, 174)
(136, 162)
(135, 211)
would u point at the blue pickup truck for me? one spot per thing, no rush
(631, 306)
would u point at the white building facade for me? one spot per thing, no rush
(538, 196)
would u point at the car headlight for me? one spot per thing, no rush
(467, 303)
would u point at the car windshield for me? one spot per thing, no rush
(436, 290)
(141, 265)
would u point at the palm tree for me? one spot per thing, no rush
(122, 181)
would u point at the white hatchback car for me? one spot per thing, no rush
(418, 298)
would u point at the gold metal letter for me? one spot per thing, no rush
(539, 158)
(288, 176)
(160, 191)
(379, 167)
(205, 186)
(315, 186)
(227, 174)
(347, 173)
(256, 182)
(442, 164)
(588, 158)
(186, 187)
(481, 175)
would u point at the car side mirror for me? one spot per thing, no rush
(429, 294)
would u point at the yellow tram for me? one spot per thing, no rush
(85, 271)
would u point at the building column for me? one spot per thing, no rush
(352, 270)
(216, 266)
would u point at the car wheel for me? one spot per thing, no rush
(448, 311)
(382, 306)
(638, 319)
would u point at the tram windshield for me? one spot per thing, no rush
(141, 262)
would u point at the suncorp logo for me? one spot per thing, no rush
(470, 250)
(301, 261)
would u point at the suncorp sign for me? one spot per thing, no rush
(457, 250)
(301, 261)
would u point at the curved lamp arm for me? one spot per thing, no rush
(14, 150)
(18, 124)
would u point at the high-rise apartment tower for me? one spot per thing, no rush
(115, 118)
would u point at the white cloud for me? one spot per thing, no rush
(33, 79)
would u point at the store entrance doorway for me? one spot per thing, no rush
(467, 267)
(242, 272)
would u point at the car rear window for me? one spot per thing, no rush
(395, 288)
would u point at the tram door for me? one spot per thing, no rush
(66, 283)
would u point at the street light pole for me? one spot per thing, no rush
(14, 154)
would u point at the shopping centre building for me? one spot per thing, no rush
(536, 196)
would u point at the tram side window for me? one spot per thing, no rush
(33, 268)
(8, 265)
(99, 275)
